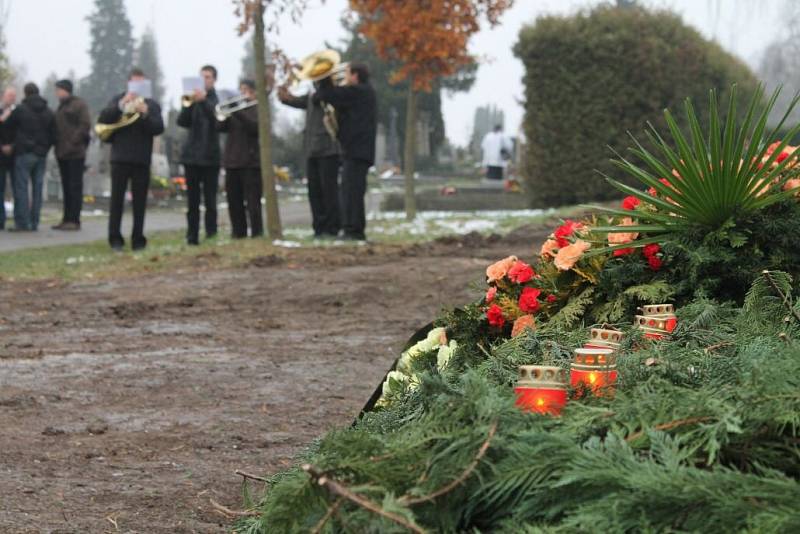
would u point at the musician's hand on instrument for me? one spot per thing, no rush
(199, 96)
(142, 108)
(283, 93)
(127, 98)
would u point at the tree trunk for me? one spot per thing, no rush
(410, 151)
(273, 216)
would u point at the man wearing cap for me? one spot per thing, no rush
(72, 138)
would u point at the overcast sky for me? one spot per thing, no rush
(53, 36)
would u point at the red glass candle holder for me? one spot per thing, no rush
(604, 338)
(595, 369)
(541, 389)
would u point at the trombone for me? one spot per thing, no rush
(228, 107)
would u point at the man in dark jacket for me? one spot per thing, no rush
(9, 102)
(131, 152)
(243, 167)
(34, 126)
(322, 164)
(72, 138)
(201, 156)
(356, 113)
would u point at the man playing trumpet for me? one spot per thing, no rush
(242, 165)
(131, 152)
(201, 155)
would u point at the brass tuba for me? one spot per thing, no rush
(129, 116)
(316, 67)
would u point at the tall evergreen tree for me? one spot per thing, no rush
(146, 58)
(6, 73)
(111, 52)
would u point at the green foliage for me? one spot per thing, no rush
(593, 77)
(725, 173)
(111, 52)
(696, 435)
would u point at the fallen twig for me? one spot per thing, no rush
(332, 509)
(719, 345)
(342, 491)
(670, 426)
(224, 510)
(252, 477)
(411, 501)
(784, 298)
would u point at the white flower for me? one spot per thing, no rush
(445, 353)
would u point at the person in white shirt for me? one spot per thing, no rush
(496, 152)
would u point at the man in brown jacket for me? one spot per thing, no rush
(72, 137)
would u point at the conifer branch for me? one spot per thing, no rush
(251, 477)
(670, 426)
(784, 298)
(332, 509)
(224, 510)
(411, 501)
(342, 491)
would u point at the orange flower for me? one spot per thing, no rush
(620, 238)
(548, 247)
(568, 256)
(523, 323)
(498, 270)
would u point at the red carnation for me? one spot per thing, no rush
(622, 252)
(551, 298)
(651, 250)
(529, 300)
(566, 230)
(630, 203)
(654, 262)
(495, 316)
(490, 294)
(782, 156)
(520, 272)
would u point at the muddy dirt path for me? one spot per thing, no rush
(127, 404)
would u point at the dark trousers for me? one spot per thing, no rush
(494, 173)
(139, 177)
(323, 194)
(354, 187)
(201, 181)
(5, 170)
(243, 188)
(28, 167)
(72, 187)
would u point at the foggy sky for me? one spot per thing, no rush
(53, 36)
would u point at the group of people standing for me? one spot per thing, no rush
(28, 131)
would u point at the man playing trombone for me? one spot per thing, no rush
(201, 155)
(133, 122)
(322, 164)
(239, 118)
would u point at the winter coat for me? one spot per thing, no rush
(317, 142)
(241, 145)
(357, 114)
(72, 128)
(133, 143)
(202, 144)
(34, 126)
(7, 136)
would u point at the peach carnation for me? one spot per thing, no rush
(621, 238)
(794, 183)
(498, 270)
(568, 256)
(525, 322)
(548, 247)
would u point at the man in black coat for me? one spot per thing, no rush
(131, 152)
(242, 162)
(356, 113)
(34, 133)
(9, 102)
(322, 164)
(72, 137)
(201, 156)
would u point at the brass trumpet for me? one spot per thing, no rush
(129, 116)
(228, 107)
(187, 100)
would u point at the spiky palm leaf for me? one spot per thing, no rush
(721, 174)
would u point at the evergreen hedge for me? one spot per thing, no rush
(593, 77)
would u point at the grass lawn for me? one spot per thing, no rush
(168, 250)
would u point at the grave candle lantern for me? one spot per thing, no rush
(595, 368)
(541, 389)
(604, 338)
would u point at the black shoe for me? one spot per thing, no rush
(69, 226)
(354, 237)
(59, 226)
(140, 246)
(117, 247)
(192, 242)
(16, 229)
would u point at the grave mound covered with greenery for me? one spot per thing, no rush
(702, 426)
